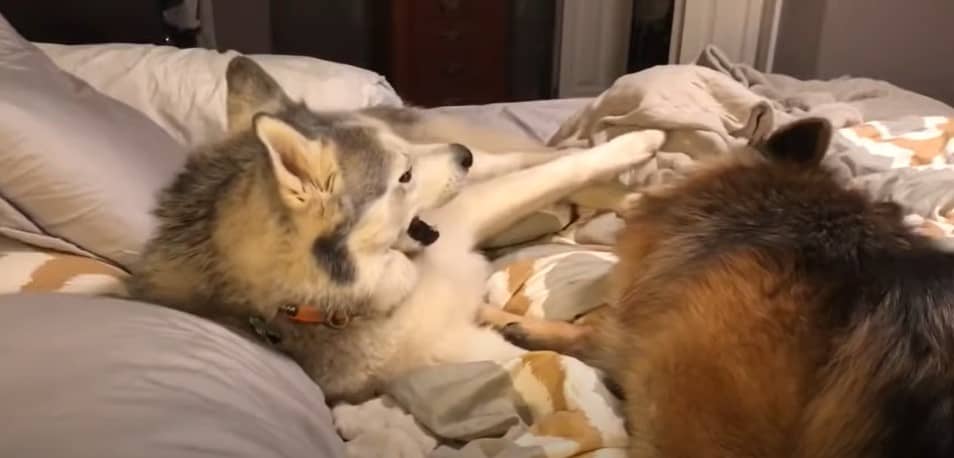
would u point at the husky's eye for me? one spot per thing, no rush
(406, 177)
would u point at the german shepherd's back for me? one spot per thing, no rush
(765, 311)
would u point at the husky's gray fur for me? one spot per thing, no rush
(304, 207)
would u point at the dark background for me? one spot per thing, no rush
(357, 32)
(435, 52)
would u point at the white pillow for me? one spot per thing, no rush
(183, 90)
(91, 377)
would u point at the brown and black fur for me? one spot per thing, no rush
(763, 310)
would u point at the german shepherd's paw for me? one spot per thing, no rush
(517, 335)
(496, 317)
(506, 324)
(534, 334)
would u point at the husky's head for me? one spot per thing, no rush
(354, 161)
(294, 206)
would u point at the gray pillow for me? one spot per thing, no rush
(79, 171)
(89, 377)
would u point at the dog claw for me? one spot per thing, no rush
(515, 334)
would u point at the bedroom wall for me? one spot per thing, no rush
(356, 32)
(88, 21)
(243, 25)
(906, 43)
(799, 38)
(336, 30)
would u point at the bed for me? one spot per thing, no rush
(87, 373)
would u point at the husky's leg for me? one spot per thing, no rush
(489, 165)
(476, 343)
(486, 208)
(602, 196)
(611, 196)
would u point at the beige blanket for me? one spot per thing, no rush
(546, 405)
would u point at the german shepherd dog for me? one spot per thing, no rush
(347, 240)
(763, 310)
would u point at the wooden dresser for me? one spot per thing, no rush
(449, 52)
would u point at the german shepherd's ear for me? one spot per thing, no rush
(803, 142)
(305, 170)
(250, 90)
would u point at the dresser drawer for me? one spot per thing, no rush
(450, 51)
(455, 10)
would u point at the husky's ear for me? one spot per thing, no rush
(250, 90)
(803, 142)
(305, 170)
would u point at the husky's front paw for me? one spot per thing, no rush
(376, 444)
(396, 280)
(630, 149)
(646, 140)
(377, 427)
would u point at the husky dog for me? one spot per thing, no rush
(347, 239)
(762, 310)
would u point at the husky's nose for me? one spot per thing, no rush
(464, 157)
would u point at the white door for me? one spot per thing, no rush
(744, 29)
(593, 45)
(593, 37)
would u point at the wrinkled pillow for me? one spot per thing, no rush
(79, 171)
(91, 377)
(183, 90)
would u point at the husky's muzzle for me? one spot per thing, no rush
(445, 170)
(423, 233)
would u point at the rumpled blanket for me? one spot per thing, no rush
(546, 405)
(846, 99)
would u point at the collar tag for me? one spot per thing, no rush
(265, 332)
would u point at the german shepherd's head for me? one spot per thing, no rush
(748, 200)
(291, 203)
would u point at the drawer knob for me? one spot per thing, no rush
(449, 6)
(451, 35)
(453, 69)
